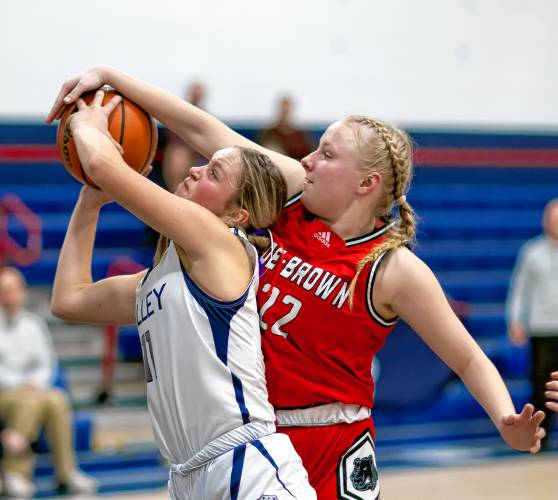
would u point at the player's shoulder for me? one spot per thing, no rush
(400, 267)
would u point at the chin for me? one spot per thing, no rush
(181, 193)
(307, 202)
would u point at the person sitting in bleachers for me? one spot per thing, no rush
(28, 402)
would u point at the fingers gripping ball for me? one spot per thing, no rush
(129, 125)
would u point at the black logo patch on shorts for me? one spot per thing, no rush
(357, 474)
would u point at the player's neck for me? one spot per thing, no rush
(348, 226)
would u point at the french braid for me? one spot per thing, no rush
(389, 152)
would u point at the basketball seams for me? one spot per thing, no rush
(129, 125)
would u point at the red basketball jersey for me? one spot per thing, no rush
(317, 350)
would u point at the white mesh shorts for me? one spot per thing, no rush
(264, 469)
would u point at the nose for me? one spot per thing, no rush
(195, 172)
(307, 163)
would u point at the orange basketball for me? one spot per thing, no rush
(128, 124)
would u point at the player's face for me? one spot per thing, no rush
(213, 185)
(331, 173)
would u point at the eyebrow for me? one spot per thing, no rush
(217, 164)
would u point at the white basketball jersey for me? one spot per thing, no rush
(203, 360)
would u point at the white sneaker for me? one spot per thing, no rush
(79, 483)
(15, 485)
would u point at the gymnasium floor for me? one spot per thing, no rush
(525, 478)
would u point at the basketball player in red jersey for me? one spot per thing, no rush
(335, 280)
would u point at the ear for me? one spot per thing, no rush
(239, 218)
(369, 183)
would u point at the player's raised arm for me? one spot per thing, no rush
(205, 133)
(75, 297)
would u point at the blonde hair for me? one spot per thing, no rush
(385, 149)
(260, 189)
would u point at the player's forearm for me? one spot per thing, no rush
(73, 271)
(486, 385)
(205, 133)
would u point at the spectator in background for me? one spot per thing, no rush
(533, 305)
(178, 156)
(27, 400)
(284, 137)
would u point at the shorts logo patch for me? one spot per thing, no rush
(357, 473)
(364, 476)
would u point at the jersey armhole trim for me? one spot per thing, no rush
(197, 291)
(293, 199)
(376, 316)
(144, 279)
(201, 294)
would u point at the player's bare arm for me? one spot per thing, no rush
(205, 133)
(75, 297)
(416, 296)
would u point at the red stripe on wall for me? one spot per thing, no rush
(486, 157)
(435, 157)
(29, 153)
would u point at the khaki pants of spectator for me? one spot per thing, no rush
(28, 411)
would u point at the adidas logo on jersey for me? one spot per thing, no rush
(323, 237)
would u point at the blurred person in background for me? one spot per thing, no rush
(533, 305)
(283, 136)
(178, 156)
(28, 402)
(177, 159)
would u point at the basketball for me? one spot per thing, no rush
(129, 125)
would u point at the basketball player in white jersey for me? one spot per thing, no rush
(195, 310)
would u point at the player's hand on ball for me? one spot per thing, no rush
(96, 115)
(523, 432)
(74, 87)
(552, 392)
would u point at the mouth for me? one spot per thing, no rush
(308, 181)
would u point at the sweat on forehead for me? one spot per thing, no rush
(224, 153)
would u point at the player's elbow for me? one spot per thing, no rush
(64, 308)
(58, 308)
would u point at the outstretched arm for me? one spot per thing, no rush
(415, 295)
(75, 296)
(205, 133)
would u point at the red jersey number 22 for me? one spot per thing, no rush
(295, 304)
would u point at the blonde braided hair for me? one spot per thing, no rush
(389, 152)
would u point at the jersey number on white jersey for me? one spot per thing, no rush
(147, 349)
